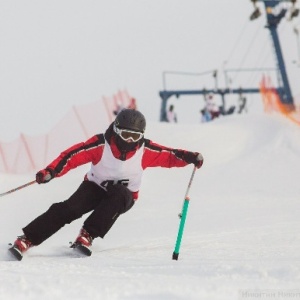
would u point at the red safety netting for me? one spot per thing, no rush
(272, 103)
(31, 153)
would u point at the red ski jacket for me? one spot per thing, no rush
(91, 151)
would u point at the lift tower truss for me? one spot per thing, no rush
(274, 15)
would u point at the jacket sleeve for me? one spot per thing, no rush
(156, 155)
(77, 155)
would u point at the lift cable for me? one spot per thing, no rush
(266, 52)
(237, 41)
(248, 50)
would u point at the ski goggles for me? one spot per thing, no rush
(127, 134)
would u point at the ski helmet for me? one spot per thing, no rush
(131, 119)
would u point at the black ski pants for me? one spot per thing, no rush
(106, 206)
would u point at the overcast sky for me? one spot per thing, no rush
(55, 54)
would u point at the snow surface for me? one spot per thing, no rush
(241, 233)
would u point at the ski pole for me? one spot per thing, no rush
(18, 188)
(182, 217)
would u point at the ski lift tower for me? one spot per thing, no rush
(274, 15)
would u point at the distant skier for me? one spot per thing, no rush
(118, 158)
(211, 110)
(171, 115)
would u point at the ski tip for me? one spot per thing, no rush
(15, 253)
(81, 249)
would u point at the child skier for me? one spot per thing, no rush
(118, 158)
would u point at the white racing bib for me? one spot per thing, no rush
(111, 170)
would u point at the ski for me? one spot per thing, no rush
(16, 253)
(81, 249)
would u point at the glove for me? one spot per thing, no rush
(44, 176)
(194, 158)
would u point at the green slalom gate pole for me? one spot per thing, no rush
(182, 217)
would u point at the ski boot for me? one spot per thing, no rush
(83, 243)
(21, 245)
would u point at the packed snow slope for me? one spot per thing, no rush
(241, 233)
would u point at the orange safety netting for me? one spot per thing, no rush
(28, 153)
(271, 101)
